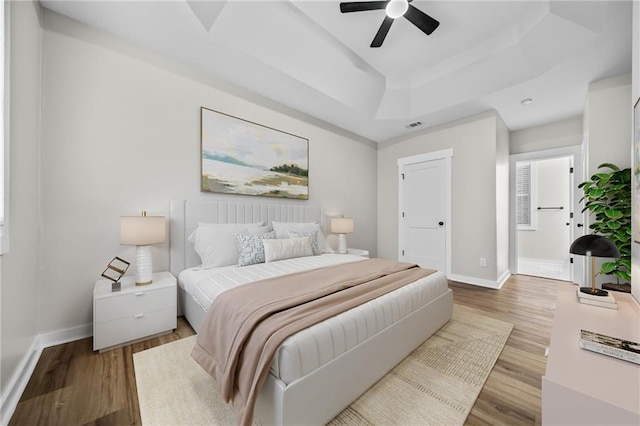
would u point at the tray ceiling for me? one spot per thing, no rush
(310, 57)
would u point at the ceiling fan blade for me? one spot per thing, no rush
(421, 20)
(382, 32)
(360, 6)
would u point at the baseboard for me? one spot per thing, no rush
(503, 279)
(481, 282)
(19, 381)
(546, 268)
(66, 335)
(23, 373)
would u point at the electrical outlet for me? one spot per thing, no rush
(483, 262)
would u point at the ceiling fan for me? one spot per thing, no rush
(395, 9)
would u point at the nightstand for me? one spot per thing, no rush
(135, 312)
(358, 252)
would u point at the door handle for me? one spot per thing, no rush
(441, 223)
(579, 225)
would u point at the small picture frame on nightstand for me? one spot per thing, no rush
(114, 271)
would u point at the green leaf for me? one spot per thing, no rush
(618, 186)
(613, 214)
(609, 165)
(613, 225)
(624, 275)
(608, 267)
(601, 176)
(626, 263)
(596, 193)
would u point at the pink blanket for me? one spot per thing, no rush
(245, 325)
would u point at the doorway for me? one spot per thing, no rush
(425, 210)
(543, 213)
(546, 215)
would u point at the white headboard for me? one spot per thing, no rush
(185, 215)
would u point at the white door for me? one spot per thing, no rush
(422, 214)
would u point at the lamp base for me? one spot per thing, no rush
(342, 244)
(144, 265)
(593, 292)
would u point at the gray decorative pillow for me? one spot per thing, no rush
(250, 248)
(313, 236)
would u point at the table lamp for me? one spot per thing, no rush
(342, 226)
(142, 231)
(594, 246)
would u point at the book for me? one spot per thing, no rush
(598, 303)
(611, 346)
(605, 299)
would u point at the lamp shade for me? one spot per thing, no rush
(342, 225)
(594, 245)
(142, 230)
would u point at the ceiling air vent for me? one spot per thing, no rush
(414, 125)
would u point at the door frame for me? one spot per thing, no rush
(574, 151)
(446, 155)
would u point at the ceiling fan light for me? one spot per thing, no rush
(397, 8)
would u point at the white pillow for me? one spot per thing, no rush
(256, 225)
(250, 248)
(313, 237)
(215, 242)
(282, 231)
(286, 249)
(259, 230)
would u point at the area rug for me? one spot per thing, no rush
(436, 384)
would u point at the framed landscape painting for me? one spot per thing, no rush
(241, 157)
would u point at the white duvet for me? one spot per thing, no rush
(315, 346)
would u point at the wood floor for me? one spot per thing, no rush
(72, 385)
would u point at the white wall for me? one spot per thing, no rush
(21, 265)
(635, 246)
(473, 204)
(121, 133)
(502, 197)
(558, 134)
(550, 240)
(608, 125)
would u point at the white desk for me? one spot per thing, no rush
(584, 387)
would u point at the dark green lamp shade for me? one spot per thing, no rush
(594, 245)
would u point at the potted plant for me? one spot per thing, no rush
(608, 200)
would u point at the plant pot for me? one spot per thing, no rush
(624, 288)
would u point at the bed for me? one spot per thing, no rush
(345, 354)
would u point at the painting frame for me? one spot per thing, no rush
(636, 169)
(241, 157)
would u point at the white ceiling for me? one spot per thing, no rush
(310, 57)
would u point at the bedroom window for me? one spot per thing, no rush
(525, 196)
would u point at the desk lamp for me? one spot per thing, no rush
(594, 246)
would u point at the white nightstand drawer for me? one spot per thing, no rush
(139, 301)
(134, 326)
(134, 312)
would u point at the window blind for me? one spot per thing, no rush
(523, 194)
